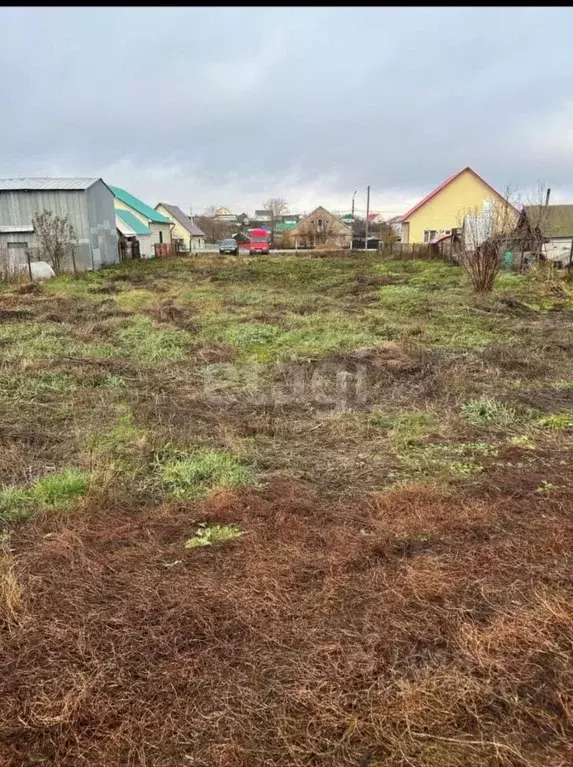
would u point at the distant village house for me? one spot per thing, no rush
(320, 229)
(185, 233)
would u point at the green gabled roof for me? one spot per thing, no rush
(132, 221)
(139, 206)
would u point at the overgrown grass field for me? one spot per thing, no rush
(286, 511)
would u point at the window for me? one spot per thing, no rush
(17, 245)
(429, 235)
(161, 238)
(319, 224)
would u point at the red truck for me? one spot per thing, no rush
(259, 241)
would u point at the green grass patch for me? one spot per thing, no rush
(28, 387)
(195, 475)
(122, 441)
(487, 411)
(144, 341)
(411, 428)
(81, 285)
(35, 340)
(132, 300)
(52, 491)
(308, 336)
(560, 421)
(107, 381)
(444, 461)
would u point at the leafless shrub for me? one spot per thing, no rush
(486, 233)
(56, 236)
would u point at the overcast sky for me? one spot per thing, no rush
(228, 106)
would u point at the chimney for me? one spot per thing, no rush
(547, 197)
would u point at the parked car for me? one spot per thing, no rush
(230, 247)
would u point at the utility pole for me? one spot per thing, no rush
(353, 196)
(367, 215)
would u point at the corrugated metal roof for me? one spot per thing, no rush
(38, 184)
(5, 229)
(184, 220)
(139, 206)
(132, 222)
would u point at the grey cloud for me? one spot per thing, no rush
(399, 98)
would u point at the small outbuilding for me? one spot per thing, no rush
(88, 204)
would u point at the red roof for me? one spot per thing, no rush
(448, 181)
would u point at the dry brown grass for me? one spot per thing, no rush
(347, 626)
(12, 608)
(414, 629)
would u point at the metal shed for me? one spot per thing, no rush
(88, 203)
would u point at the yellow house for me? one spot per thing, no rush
(442, 212)
(190, 238)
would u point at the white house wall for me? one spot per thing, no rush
(155, 229)
(146, 249)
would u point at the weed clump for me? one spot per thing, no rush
(52, 491)
(486, 411)
(561, 421)
(194, 476)
(207, 535)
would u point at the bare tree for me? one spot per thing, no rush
(214, 228)
(56, 237)
(276, 205)
(486, 235)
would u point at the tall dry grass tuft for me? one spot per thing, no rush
(12, 608)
